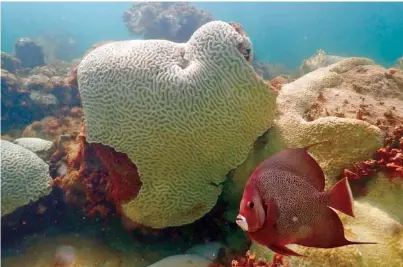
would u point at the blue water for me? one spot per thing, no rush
(282, 32)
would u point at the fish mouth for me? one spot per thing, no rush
(241, 221)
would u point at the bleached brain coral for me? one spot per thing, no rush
(24, 177)
(185, 114)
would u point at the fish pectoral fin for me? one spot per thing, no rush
(283, 250)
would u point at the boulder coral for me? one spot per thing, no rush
(24, 177)
(351, 140)
(39, 146)
(185, 114)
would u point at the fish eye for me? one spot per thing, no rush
(251, 204)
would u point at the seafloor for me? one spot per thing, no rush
(137, 153)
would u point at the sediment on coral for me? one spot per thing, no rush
(169, 21)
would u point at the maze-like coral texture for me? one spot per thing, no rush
(185, 114)
(24, 177)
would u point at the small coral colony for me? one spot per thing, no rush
(195, 136)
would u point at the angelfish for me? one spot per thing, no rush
(284, 202)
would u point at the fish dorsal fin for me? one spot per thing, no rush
(298, 161)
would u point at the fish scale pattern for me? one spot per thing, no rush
(24, 177)
(184, 113)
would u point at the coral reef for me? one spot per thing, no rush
(24, 177)
(65, 121)
(369, 224)
(174, 112)
(16, 105)
(31, 98)
(319, 60)
(168, 21)
(29, 53)
(369, 93)
(352, 140)
(9, 63)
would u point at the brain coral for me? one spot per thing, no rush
(24, 177)
(185, 114)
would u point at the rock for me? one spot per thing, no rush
(209, 251)
(29, 53)
(185, 260)
(9, 63)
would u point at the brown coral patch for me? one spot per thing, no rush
(388, 160)
(65, 121)
(97, 177)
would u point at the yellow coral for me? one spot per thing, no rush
(185, 114)
(351, 140)
(370, 224)
(386, 194)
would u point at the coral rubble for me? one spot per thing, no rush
(169, 21)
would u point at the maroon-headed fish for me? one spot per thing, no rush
(284, 202)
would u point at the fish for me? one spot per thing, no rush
(284, 203)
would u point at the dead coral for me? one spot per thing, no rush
(105, 177)
(170, 21)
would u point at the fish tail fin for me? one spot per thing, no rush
(361, 243)
(341, 197)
